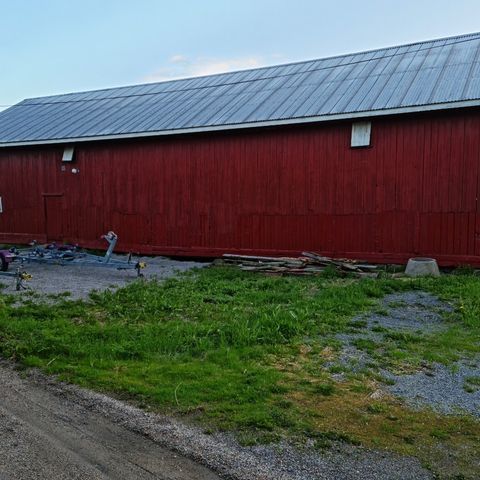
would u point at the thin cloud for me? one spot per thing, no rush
(180, 66)
(178, 59)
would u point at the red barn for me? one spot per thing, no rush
(373, 155)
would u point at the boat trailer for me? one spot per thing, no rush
(20, 276)
(54, 254)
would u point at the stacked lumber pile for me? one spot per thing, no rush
(308, 264)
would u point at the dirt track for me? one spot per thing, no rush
(44, 436)
(50, 430)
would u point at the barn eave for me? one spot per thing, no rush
(246, 125)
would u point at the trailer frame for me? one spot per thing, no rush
(72, 255)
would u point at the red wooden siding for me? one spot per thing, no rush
(279, 191)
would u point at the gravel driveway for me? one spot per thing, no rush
(80, 281)
(440, 387)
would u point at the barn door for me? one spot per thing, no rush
(53, 217)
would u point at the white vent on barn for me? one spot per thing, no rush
(68, 154)
(361, 132)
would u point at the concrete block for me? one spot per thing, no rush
(422, 267)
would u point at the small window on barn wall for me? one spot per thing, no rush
(68, 154)
(361, 132)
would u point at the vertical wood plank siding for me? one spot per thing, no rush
(279, 191)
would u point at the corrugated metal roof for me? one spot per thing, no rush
(442, 73)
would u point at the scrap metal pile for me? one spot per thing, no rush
(308, 264)
(63, 254)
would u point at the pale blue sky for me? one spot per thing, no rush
(54, 46)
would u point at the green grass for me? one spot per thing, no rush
(201, 342)
(241, 351)
(472, 384)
